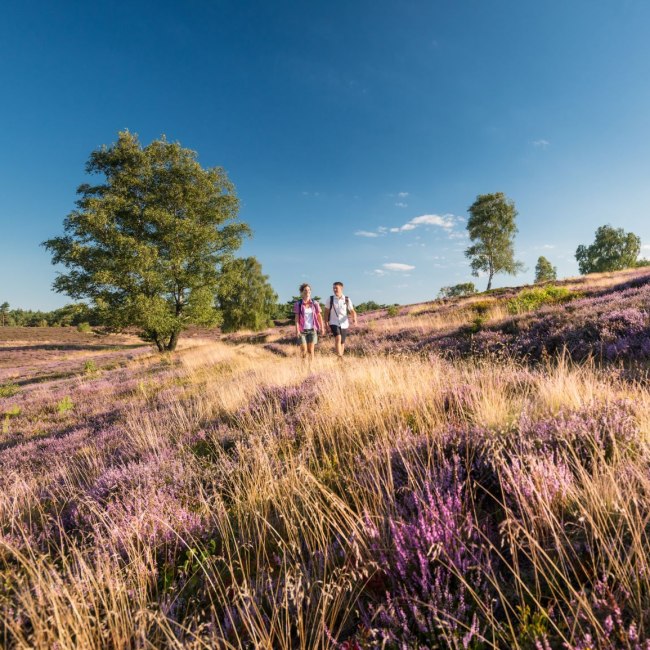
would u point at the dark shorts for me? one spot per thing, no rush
(340, 331)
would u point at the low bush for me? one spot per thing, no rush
(536, 297)
(8, 389)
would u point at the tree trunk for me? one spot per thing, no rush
(489, 281)
(173, 342)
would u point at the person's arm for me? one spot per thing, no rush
(353, 312)
(297, 320)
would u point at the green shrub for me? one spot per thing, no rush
(84, 328)
(9, 389)
(393, 310)
(65, 405)
(13, 412)
(535, 297)
(482, 307)
(90, 367)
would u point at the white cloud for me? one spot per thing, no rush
(541, 144)
(378, 272)
(399, 204)
(397, 266)
(457, 235)
(433, 220)
(426, 220)
(646, 247)
(445, 221)
(402, 195)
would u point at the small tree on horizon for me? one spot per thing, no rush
(4, 310)
(146, 244)
(613, 249)
(492, 226)
(544, 270)
(457, 290)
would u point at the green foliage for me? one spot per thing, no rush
(613, 249)
(393, 310)
(90, 367)
(492, 226)
(482, 307)
(544, 270)
(8, 389)
(146, 245)
(13, 412)
(84, 328)
(64, 405)
(71, 314)
(457, 290)
(535, 297)
(370, 305)
(532, 626)
(480, 310)
(245, 298)
(4, 312)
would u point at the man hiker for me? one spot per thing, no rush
(338, 309)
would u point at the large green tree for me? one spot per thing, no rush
(613, 249)
(492, 227)
(244, 296)
(544, 270)
(146, 244)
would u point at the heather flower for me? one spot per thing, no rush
(433, 566)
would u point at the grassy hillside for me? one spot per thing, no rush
(474, 475)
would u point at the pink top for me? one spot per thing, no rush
(299, 309)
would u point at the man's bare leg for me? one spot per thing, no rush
(338, 346)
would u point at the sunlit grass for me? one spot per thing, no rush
(231, 497)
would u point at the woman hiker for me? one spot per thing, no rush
(309, 322)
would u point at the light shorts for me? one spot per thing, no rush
(308, 336)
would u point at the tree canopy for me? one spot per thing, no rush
(613, 249)
(146, 244)
(457, 290)
(245, 298)
(492, 226)
(544, 270)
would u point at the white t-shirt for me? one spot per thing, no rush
(309, 317)
(339, 312)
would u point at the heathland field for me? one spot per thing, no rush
(475, 474)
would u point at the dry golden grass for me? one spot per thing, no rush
(278, 497)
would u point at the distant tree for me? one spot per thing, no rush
(369, 305)
(642, 261)
(492, 226)
(244, 297)
(4, 311)
(146, 245)
(462, 289)
(613, 249)
(544, 270)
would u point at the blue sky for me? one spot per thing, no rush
(356, 132)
